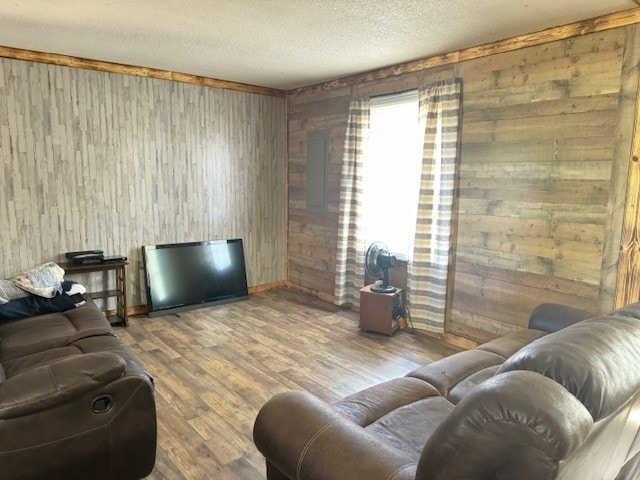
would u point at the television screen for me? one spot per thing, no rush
(185, 276)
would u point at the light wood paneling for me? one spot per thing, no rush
(103, 160)
(215, 367)
(545, 139)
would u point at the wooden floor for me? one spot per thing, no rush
(215, 367)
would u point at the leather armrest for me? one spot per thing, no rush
(305, 439)
(43, 387)
(551, 317)
(515, 422)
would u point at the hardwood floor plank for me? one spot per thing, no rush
(215, 367)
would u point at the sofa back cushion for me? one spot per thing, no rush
(38, 334)
(596, 360)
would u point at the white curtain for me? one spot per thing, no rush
(428, 266)
(350, 253)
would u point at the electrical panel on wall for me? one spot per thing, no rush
(317, 170)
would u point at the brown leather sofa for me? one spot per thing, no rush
(75, 403)
(529, 405)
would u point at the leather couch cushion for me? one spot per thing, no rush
(509, 344)
(367, 406)
(49, 386)
(38, 334)
(111, 343)
(448, 372)
(458, 392)
(407, 428)
(596, 360)
(18, 365)
(99, 343)
(454, 376)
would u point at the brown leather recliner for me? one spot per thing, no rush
(75, 403)
(529, 405)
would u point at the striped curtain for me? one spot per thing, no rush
(350, 253)
(428, 266)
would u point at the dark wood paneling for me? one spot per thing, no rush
(312, 236)
(536, 181)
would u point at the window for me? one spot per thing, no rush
(391, 172)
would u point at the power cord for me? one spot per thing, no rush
(408, 322)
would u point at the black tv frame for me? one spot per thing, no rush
(156, 312)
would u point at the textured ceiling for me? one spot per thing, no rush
(277, 43)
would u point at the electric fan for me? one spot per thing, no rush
(378, 260)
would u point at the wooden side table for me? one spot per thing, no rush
(120, 292)
(379, 312)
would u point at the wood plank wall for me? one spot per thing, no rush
(312, 236)
(545, 143)
(104, 160)
(540, 179)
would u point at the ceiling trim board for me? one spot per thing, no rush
(111, 67)
(583, 27)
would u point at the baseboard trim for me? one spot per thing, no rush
(265, 287)
(131, 310)
(137, 310)
(321, 295)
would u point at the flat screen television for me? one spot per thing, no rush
(186, 276)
